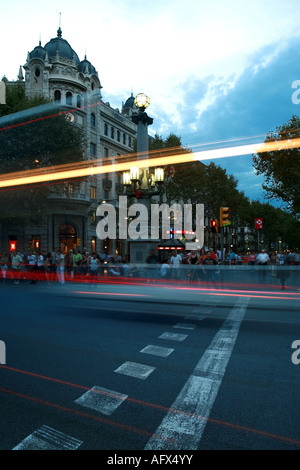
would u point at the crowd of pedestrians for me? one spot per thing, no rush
(194, 266)
(204, 264)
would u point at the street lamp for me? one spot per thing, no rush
(148, 183)
(142, 101)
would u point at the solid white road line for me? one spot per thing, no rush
(46, 438)
(133, 369)
(183, 426)
(157, 350)
(101, 399)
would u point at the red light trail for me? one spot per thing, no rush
(139, 402)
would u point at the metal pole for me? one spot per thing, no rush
(222, 245)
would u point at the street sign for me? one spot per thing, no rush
(258, 223)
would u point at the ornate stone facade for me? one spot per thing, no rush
(56, 72)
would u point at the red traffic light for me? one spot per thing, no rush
(214, 226)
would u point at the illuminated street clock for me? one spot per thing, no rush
(70, 117)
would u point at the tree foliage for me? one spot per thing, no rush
(281, 168)
(38, 137)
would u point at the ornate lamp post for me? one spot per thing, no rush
(143, 183)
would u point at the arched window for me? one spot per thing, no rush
(57, 96)
(78, 101)
(93, 120)
(69, 98)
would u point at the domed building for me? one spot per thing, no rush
(56, 72)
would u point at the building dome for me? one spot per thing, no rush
(62, 46)
(129, 103)
(86, 64)
(38, 53)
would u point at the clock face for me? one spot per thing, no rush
(70, 117)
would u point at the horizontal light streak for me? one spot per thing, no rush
(94, 167)
(108, 293)
(255, 296)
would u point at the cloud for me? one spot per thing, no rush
(250, 103)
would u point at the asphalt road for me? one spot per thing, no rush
(116, 367)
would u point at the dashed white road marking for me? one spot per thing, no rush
(157, 350)
(46, 438)
(194, 317)
(185, 326)
(101, 399)
(183, 426)
(134, 369)
(173, 336)
(201, 311)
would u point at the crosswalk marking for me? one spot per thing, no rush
(183, 426)
(101, 399)
(201, 311)
(185, 326)
(173, 336)
(46, 438)
(134, 369)
(157, 350)
(194, 317)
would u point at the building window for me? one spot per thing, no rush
(118, 136)
(112, 132)
(68, 189)
(69, 98)
(105, 129)
(106, 153)
(106, 194)
(78, 101)
(124, 139)
(35, 242)
(129, 141)
(93, 192)
(92, 148)
(93, 120)
(57, 96)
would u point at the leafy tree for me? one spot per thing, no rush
(277, 225)
(38, 137)
(210, 185)
(281, 168)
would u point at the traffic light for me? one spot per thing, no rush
(214, 226)
(224, 216)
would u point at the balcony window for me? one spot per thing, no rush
(57, 96)
(93, 192)
(92, 148)
(69, 98)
